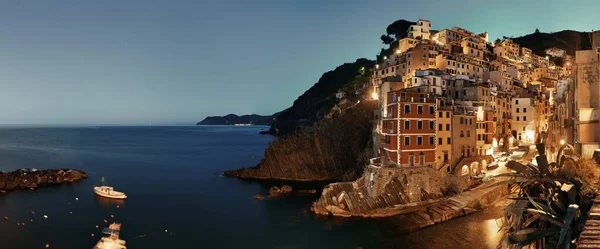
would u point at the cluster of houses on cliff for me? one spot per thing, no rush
(449, 96)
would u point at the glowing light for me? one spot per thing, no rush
(530, 135)
(397, 51)
(562, 142)
(568, 64)
(385, 57)
(377, 66)
(374, 96)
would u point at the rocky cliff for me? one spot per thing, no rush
(332, 149)
(381, 192)
(317, 101)
(232, 119)
(31, 179)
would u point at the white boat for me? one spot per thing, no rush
(111, 241)
(109, 192)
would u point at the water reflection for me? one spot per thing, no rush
(108, 202)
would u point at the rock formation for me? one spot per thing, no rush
(388, 191)
(333, 149)
(32, 178)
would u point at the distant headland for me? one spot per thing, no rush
(232, 119)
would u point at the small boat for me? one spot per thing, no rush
(109, 192)
(111, 241)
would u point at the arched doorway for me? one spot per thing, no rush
(475, 170)
(464, 170)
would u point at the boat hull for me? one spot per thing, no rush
(108, 195)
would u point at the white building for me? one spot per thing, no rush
(523, 114)
(420, 29)
(556, 52)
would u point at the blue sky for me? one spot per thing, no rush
(175, 62)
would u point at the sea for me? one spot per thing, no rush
(177, 197)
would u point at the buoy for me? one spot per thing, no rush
(70, 213)
(18, 224)
(47, 245)
(105, 221)
(96, 226)
(92, 235)
(45, 216)
(112, 216)
(32, 212)
(31, 220)
(5, 218)
(118, 206)
(166, 230)
(76, 198)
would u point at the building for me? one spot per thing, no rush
(409, 129)
(444, 137)
(524, 120)
(463, 134)
(420, 30)
(587, 98)
(556, 52)
(485, 130)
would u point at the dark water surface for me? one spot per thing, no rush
(177, 198)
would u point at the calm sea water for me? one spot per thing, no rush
(177, 198)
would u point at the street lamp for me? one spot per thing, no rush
(562, 142)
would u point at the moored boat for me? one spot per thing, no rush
(111, 241)
(109, 192)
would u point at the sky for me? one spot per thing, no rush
(175, 62)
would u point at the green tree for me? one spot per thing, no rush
(387, 39)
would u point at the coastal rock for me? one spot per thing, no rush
(286, 189)
(382, 192)
(274, 191)
(31, 179)
(259, 197)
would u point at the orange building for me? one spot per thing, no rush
(409, 128)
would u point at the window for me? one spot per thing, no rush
(517, 110)
(431, 140)
(407, 124)
(420, 109)
(440, 127)
(387, 139)
(431, 125)
(517, 118)
(523, 128)
(470, 121)
(447, 114)
(440, 140)
(420, 125)
(419, 140)
(406, 108)
(478, 136)
(431, 110)
(468, 133)
(462, 134)
(447, 127)
(461, 120)
(449, 140)
(524, 118)
(516, 101)
(440, 114)
(524, 110)
(406, 140)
